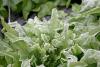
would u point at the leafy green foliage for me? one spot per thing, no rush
(43, 7)
(53, 43)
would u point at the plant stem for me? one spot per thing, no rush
(9, 11)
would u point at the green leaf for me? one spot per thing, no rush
(39, 1)
(91, 56)
(7, 28)
(76, 50)
(98, 36)
(23, 49)
(76, 7)
(27, 6)
(46, 9)
(3, 61)
(3, 12)
(45, 38)
(9, 60)
(78, 64)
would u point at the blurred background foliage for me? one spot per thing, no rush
(24, 8)
(43, 7)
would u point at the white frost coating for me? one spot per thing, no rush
(41, 66)
(30, 21)
(37, 21)
(88, 4)
(25, 63)
(18, 28)
(66, 25)
(98, 64)
(10, 65)
(71, 59)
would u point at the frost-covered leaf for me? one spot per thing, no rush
(26, 63)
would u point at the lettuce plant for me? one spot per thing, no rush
(63, 41)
